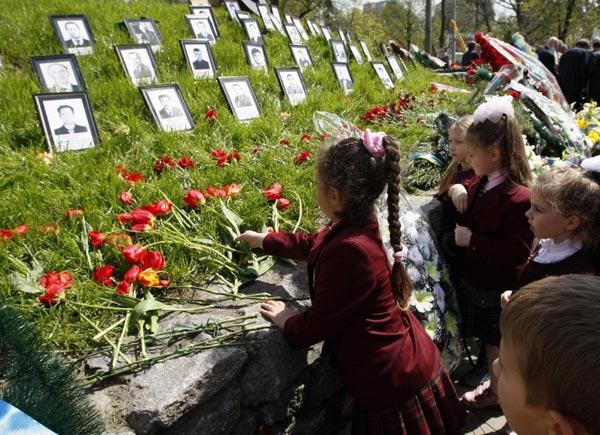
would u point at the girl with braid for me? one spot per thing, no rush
(388, 363)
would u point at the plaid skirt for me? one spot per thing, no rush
(480, 313)
(435, 409)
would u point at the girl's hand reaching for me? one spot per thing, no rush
(277, 311)
(459, 196)
(252, 238)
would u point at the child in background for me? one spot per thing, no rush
(459, 169)
(549, 365)
(388, 363)
(565, 217)
(492, 228)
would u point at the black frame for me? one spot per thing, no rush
(176, 121)
(395, 67)
(61, 141)
(293, 97)
(356, 54)
(365, 49)
(295, 49)
(249, 48)
(242, 15)
(41, 65)
(289, 27)
(232, 7)
(246, 23)
(132, 24)
(83, 23)
(335, 44)
(389, 84)
(326, 32)
(211, 17)
(265, 15)
(188, 46)
(123, 51)
(193, 19)
(311, 27)
(337, 66)
(240, 112)
(317, 29)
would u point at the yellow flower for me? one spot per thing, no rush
(432, 271)
(583, 124)
(148, 277)
(594, 136)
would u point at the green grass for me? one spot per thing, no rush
(37, 193)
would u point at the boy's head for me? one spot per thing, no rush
(549, 365)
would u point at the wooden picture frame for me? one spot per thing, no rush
(301, 55)
(58, 73)
(240, 97)
(199, 57)
(138, 62)
(74, 33)
(144, 31)
(343, 76)
(292, 84)
(383, 74)
(168, 108)
(67, 121)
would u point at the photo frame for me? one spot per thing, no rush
(311, 28)
(343, 76)
(326, 32)
(58, 73)
(74, 33)
(207, 12)
(67, 121)
(278, 24)
(356, 54)
(275, 12)
(266, 16)
(168, 108)
(342, 35)
(301, 55)
(383, 74)
(256, 55)
(300, 28)
(240, 97)
(292, 84)
(144, 31)
(365, 49)
(317, 29)
(199, 57)
(138, 63)
(232, 7)
(252, 30)
(201, 28)
(395, 67)
(288, 19)
(338, 49)
(242, 15)
(293, 34)
(403, 64)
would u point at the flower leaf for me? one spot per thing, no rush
(24, 281)
(234, 220)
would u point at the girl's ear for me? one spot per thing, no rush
(572, 222)
(559, 424)
(496, 153)
(336, 197)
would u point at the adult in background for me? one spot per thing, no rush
(594, 72)
(573, 73)
(470, 55)
(548, 55)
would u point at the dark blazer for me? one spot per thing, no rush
(346, 84)
(200, 64)
(547, 56)
(76, 129)
(85, 43)
(594, 77)
(502, 238)
(572, 74)
(384, 353)
(469, 57)
(175, 111)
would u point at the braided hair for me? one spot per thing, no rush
(361, 177)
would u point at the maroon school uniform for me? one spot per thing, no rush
(386, 358)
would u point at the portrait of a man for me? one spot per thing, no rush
(60, 78)
(292, 86)
(253, 31)
(343, 75)
(147, 34)
(301, 56)
(140, 72)
(258, 57)
(202, 30)
(77, 38)
(293, 34)
(200, 61)
(168, 110)
(240, 97)
(232, 8)
(339, 51)
(67, 116)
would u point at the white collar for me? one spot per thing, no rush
(551, 252)
(495, 178)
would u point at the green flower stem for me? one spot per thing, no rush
(107, 330)
(111, 344)
(100, 307)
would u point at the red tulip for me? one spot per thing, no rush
(186, 162)
(153, 260)
(63, 279)
(124, 218)
(141, 227)
(232, 156)
(306, 137)
(134, 253)
(120, 240)
(162, 163)
(193, 197)
(303, 156)
(103, 274)
(21, 230)
(97, 238)
(283, 203)
(162, 207)
(123, 288)
(141, 216)
(122, 170)
(134, 178)
(284, 142)
(211, 115)
(6, 235)
(73, 212)
(273, 192)
(215, 192)
(126, 197)
(132, 274)
(164, 283)
(232, 189)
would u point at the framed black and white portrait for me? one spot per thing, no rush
(403, 63)
(242, 15)
(240, 97)
(74, 33)
(365, 49)
(252, 30)
(199, 58)
(343, 75)
(311, 28)
(339, 50)
(300, 28)
(326, 33)
(356, 53)
(266, 16)
(138, 63)
(288, 19)
(232, 7)
(67, 121)
(383, 74)
(293, 34)
(342, 35)
(317, 29)
(144, 31)
(256, 56)
(395, 66)
(206, 12)
(290, 80)
(276, 16)
(278, 25)
(301, 55)
(58, 73)
(201, 28)
(168, 108)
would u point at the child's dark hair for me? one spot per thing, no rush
(360, 177)
(507, 135)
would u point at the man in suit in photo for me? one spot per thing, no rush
(140, 71)
(147, 34)
(303, 60)
(340, 53)
(75, 37)
(240, 98)
(291, 85)
(199, 61)
(60, 76)
(254, 34)
(168, 111)
(203, 30)
(258, 57)
(344, 79)
(67, 116)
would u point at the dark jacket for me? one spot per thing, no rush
(573, 74)
(547, 56)
(76, 129)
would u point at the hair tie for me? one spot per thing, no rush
(398, 257)
(373, 142)
(493, 109)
